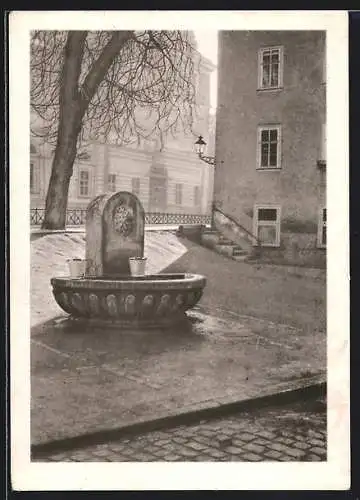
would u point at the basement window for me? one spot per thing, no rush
(267, 225)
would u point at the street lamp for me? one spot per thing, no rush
(200, 146)
(210, 160)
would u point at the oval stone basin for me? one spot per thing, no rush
(149, 300)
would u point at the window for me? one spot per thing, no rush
(196, 195)
(270, 68)
(178, 194)
(112, 183)
(84, 183)
(32, 178)
(322, 228)
(135, 186)
(269, 147)
(267, 225)
(34, 182)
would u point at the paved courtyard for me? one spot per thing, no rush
(256, 331)
(280, 294)
(86, 380)
(288, 433)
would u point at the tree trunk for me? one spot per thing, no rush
(73, 103)
(61, 172)
(70, 118)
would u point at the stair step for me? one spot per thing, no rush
(239, 251)
(223, 241)
(224, 250)
(240, 258)
(214, 235)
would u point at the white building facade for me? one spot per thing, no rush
(170, 180)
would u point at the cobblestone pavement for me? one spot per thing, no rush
(288, 433)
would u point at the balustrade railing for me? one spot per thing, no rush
(176, 219)
(77, 217)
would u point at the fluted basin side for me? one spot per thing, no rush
(148, 301)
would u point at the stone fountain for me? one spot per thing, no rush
(107, 294)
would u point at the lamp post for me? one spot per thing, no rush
(210, 160)
(200, 146)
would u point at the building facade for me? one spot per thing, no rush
(167, 178)
(270, 138)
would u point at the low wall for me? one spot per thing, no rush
(191, 232)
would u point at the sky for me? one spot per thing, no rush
(208, 47)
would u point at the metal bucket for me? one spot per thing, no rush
(137, 266)
(77, 267)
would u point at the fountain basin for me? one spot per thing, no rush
(149, 301)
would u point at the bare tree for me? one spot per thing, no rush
(89, 86)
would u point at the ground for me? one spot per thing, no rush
(288, 433)
(256, 329)
(274, 293)
(281, 294)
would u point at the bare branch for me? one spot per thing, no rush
(102, 64)
(130, 85)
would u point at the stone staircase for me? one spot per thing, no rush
(213, 239)
(227, 236)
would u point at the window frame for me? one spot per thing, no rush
(261, 51)
(177, 203)
(269, 127)
(112, 184)
(321, 225)
(87, 170)
(276, 224)
(197, 196)
(35, 162)
(34, 168)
